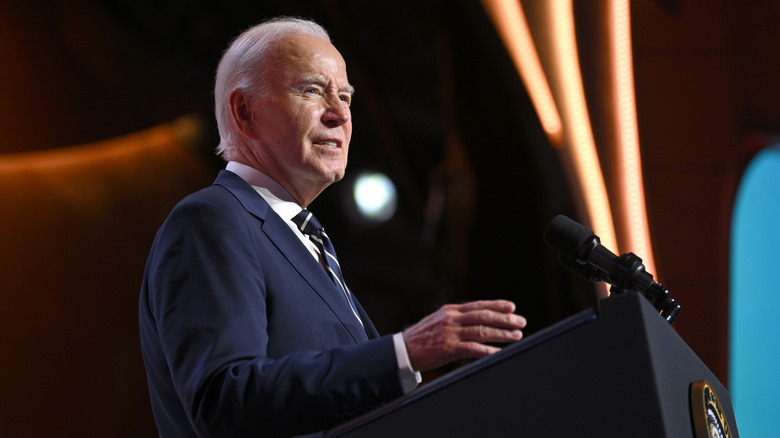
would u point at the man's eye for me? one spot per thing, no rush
(346, 99)
(311, 91)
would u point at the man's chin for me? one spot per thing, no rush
(334, 175)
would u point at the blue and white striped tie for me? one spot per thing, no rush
(310, 226)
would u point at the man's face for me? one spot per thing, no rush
(303, 121)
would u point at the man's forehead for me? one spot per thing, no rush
(302, 57)
(305, 46)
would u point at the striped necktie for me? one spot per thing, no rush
(310, 226)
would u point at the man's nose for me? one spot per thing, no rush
(337, 112)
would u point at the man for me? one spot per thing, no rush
(247, 327)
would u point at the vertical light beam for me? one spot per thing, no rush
(578, 131)
(510, 21)
(633, 214)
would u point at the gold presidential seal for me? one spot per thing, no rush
(709, 420)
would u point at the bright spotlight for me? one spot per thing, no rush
(375, 196)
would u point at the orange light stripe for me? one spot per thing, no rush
(634, 213)
(510, 21)
(578, 130)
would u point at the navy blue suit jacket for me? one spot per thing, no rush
(242, 331)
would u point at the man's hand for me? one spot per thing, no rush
(459, 331)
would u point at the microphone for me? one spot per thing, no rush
(581, 251)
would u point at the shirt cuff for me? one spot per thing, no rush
(409, 377)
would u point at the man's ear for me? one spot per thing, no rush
(241, 111)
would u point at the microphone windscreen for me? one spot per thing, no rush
(568, 236)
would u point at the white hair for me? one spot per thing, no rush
(243, 66)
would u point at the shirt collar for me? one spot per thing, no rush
(279, 199)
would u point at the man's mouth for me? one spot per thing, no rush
(328, 144)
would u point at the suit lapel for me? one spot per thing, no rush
(290, 246)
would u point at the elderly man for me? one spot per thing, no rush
(247, 325)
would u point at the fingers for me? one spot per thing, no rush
(475, 350)
(501, 306)
(495, 313)
(462, 331)
(481, 334)
(493, 319)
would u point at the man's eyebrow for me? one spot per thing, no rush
(314, 80)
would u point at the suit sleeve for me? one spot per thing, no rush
(207, 297)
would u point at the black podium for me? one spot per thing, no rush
(616, 371)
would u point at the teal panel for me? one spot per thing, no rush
(754, 368)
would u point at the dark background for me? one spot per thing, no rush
(439, 107)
